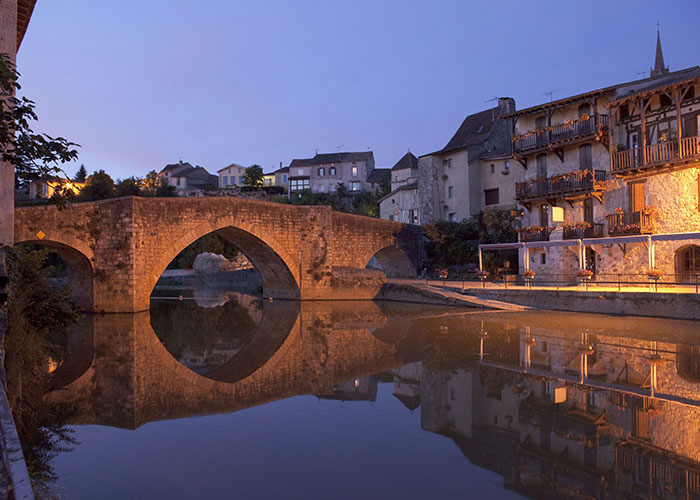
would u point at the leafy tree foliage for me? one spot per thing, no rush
(35, 156)
(131, 186)
(99, 186)
(254, 176)
(497, 226)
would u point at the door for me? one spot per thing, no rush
(633, 145)
(636, 197)
(688, 264)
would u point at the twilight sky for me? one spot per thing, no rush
(140, 84)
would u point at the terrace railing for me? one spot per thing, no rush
(561, 185)
(654, 155)
(630, 223)
(578, 233)
(577, 129)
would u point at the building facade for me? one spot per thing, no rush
(326, 171)
(401, 204)
(231, 175)
(183, 177)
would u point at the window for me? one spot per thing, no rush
(413, 216)
(624, 111)
(665, 100)
(543, 258)
(449, 163)
(450, 191)
(300, 171)
(585, 157)
(225, 183)
(321, 172)
(544, 215)
(451, 217)
(298, 184)
(331, 171)
(229, 170)
(354, 186)
(541, 122)
(354, 171)
(284, 178)
(178, 180)
(491, 196)
(493, 168)
(542, 166)
(506, 167)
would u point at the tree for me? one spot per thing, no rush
(81, 174)
(254, 176)
(497, 226)
(34, 156)
(131, 186)
(99, 186)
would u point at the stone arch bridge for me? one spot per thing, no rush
(117, 249)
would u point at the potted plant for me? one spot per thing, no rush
(529, 275)
(483, 276)
(654, 276)
(584, 275)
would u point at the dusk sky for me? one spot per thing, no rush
(140, 84)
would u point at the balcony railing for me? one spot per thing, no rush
(578, 233)
(655, 155)
(630, 223)
(577, 129)
(561, 185)
(535, 234)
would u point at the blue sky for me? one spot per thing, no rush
(140, 84)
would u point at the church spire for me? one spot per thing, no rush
(659, 69)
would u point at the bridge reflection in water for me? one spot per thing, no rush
(560, 405)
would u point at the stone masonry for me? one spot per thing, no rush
(117, 249)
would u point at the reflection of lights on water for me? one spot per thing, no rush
(443, 329)
(357, 382)
(53, 365)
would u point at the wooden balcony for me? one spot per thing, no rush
(535, 234)
(567, 186)
(630, 223)
(579, 130)
(655, 156)
(579, 233)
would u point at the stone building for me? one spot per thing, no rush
(450, 180)
(183, 176)
(324, 172)
(401, 204)
(615, 164)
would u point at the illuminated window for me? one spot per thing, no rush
(354, 186)
(321, 172)
(354, 171)
(332, 171)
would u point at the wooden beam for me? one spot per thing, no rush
(559, 152)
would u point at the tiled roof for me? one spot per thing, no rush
(174, 167)
(474, 129)
(232, 165)
(24, 14)
(325, 158)
(376, 176)
(404, 187)
(408, 160)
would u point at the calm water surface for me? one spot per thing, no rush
(221, 396)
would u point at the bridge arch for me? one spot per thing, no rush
(277, 267)
(393, 261)
(76, 256)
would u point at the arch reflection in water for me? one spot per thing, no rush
(559, 410)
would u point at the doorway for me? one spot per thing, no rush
(687, 263)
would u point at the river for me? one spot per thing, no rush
(219, 395)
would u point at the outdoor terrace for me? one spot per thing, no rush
(570, 185)
(654, 156)
(584, 129)
(578, 232)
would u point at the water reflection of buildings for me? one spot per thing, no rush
(561, 413)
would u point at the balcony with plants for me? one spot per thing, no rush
(579, 183)
(623, 223)
(534, 233)
(585, 128)
(581, 230)
(668, 152)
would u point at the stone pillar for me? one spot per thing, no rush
(8, 45)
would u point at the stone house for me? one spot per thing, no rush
(231, 175)
(619, 167)
(183, 176)
(323, 172)
(499, 174)
(450, 180)
(401, 204)
(45, 188)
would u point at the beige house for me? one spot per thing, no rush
(231, 175)
(499, 174)
(45, 189)
(401, 204)
(450, 180)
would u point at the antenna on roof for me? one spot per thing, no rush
(338, 148)
(551, 92)
(643, 74)
(316, 150)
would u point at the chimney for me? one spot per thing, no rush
(506, 105)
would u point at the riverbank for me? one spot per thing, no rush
(678, 303)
